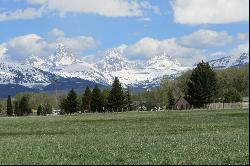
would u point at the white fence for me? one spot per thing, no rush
(239, 105)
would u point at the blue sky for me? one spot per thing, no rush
(145, 26)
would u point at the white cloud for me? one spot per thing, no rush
(206, 39)
(147, 5)
(56, 32)
(243, 36)
(149, 47)
(3, 51)
(21, 47)
(210, 11)
(22, 14)
(108, 8)
(79, 43)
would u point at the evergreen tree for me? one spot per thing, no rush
(97, 100)
(17, 110)
(202, 86)
(116, 97)
(24, 106)
(86, 99)
(9, 107)
(71, 102)
(40, 110)
(171, 100)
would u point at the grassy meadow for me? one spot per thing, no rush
(192, 137)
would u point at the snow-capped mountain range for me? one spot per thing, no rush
(37, 72)
(113, 63)
(231, 61)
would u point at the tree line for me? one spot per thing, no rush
(22, 107)
(115, 100)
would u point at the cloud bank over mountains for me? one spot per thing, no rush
(185, 49)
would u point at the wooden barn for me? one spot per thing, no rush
(182, 104)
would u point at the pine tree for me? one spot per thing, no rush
(40, 110)
(70, 103)
(24, 106)
(171, 100)
(86, 99)
(96, 100)
(9, 107)
(202, 86)
(116, 97)
(17, 110)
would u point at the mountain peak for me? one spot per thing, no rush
(231, 61)
(63, 56)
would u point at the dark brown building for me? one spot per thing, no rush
(182, 104)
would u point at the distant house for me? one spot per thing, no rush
(33, 111)
(56, 112)
(182, 103)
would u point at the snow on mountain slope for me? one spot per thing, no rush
(231, 61)
(21, 74)
(151, 72)
(81, 70)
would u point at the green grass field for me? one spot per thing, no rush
(204, 137)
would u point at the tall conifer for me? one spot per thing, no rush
(86, 99)
(202, 87)
(97, 100)
(116, 97)
(9, 107)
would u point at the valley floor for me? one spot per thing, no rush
(192, 137)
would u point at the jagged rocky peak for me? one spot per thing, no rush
(63, 56)
(113, 60)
